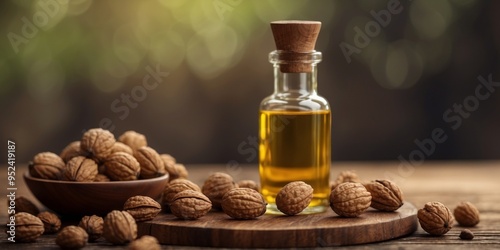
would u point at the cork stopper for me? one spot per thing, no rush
(295, 38)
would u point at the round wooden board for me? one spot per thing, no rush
(216, 229)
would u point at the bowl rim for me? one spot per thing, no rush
(27, 175)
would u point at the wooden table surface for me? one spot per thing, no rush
(448, 182)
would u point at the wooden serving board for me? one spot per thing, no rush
(216, 229)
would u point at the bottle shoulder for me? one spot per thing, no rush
(297, 103)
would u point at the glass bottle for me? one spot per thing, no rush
(295, 125)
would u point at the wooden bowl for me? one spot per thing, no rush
(68, 198)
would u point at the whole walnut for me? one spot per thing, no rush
(47, 165)
(345, 176)
(175, 170)
(121, 147)
(243, 203)
(23, 204)
(174, 187)
(248, 184)
(121, 166)
(150, 161)
(72, 150)
(93, 225)
(350, 199)
(80, 169)
(28, 227)
(145, 242)
(466, 214)
(190, 205)
(101, 178)
(51, 222)
(435, 218)
(216, 186)
(119, 227)
(142, 208)
(294, 197)
(386, 195)
(98, 143)
(133, 139)
(72, 237)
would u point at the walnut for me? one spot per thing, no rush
(80, 169)
(122, 167)
(174, 187)
(28, 227)
(72, 150)
(23, 204)
(350, 199)
(216, 186)
(435, 218)
(151, 163)
(145, 242)
(248, 184)
(46, 165)
(294, 197)
(243, 203)
(119, 227)
(72, 237)
(142, 208)
(175, 170)
(51, 223)
(101, 178)
(97, 143)
(190, 205)
(345, 176)
(121, 147)
(93, 225)
(466, 214)
(386, 195)
(133, 139)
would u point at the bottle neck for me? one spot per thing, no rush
(295, 72)
(296, 84)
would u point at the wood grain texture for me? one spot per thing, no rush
(216, 229)
(445, 181)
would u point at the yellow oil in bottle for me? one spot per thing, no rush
(295, 146)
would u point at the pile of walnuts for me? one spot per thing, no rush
(99, 157)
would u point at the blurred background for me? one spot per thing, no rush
(190, 74)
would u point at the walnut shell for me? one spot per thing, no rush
(190, 205)
(121, 147)
(28, 227)
(121, 167)
(350, 199)
(435, 218)
(175, 170)
(345, 176)
(216, 186)
(145, 242)
(466, 214)
(248, 184)
(80, 169)
(386, 195)
(174, 187)
(133, 139)
(151, 163)
(243, 203)
(98, 143)
(142, 208)
(93, 225)
(119, 227)
(23, 204)
(51, 223)
(72, 237)
(101, 178)
(294, 197)
(72, 150)
(46, 165)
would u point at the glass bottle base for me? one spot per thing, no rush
(272, 209)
